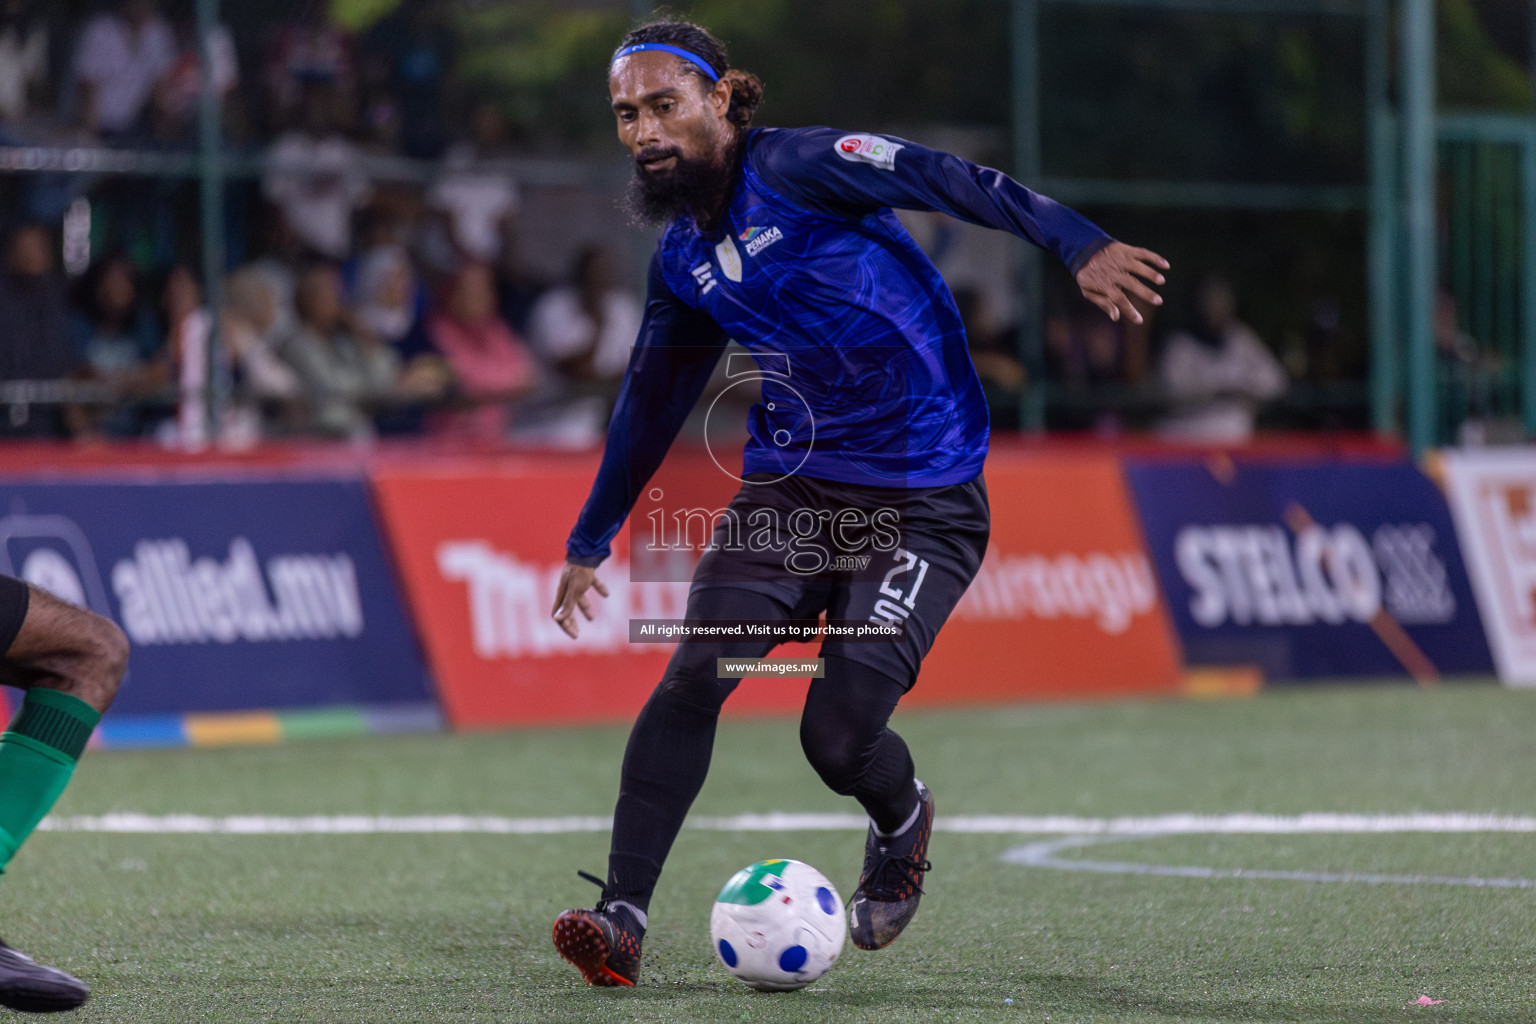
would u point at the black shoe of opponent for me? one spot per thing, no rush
(29, 986)
(603, 943)
(892, 882)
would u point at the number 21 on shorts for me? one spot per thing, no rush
(894, 608)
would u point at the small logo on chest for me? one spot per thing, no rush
(758, 239)
(704, 274)
(730, 259)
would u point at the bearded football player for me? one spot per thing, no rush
(785, 241)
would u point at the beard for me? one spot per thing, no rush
(655, 198)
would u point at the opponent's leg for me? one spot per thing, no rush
(665, 764)
(70, 661)
(847, 739)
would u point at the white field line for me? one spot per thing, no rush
(1045, 854)
(985, 824)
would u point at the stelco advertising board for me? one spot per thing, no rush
(1311, 570)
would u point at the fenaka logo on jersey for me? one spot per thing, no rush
(869, 149)
(758, 239)
(730, 259)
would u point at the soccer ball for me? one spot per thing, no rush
(778, 925)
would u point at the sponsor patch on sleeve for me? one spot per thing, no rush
(869, 149)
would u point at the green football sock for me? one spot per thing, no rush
(37, 757)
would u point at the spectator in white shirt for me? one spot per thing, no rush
(23, 58)
(473, 193)
(121, 58)
(1217, 372)
(190, 325)
(315, 180)
(585, 329)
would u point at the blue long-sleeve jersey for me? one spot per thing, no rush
(866, 377)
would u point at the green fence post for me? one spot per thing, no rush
(1026, 167)
(1527, 388)
(1418, 139)
(1381, 254)
(211, 197)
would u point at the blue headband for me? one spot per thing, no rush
(678, 51)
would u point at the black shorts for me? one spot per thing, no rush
(890, 556)
(14, 599)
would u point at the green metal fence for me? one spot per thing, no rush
(1451, 198)
(1468, 331)
(1487, 200)
(1377, 192)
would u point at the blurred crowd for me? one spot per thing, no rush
(343, 348)
(1207, 379)
(355, 308)
(129, 73)
(363, 304)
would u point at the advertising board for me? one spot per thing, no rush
(1310, 569)
(237, 594)
(1493, 497)
(1066, 603)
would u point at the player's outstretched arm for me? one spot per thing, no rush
(671, 364)
(571, 594)
(1116, 274)
(854, 174)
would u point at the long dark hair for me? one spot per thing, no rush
(746, 88)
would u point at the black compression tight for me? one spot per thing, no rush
(843, 731)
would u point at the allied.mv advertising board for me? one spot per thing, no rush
(235, 595)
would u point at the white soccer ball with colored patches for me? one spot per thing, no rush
(778, 925)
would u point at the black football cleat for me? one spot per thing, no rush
(29, 986)
(602, 943)
(892, 882)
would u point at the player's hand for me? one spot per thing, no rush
(571, 594)
(1114, 276)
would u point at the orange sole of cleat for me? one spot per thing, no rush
(582, 944)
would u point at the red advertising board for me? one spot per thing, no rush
(1066, 604)
(480, 546)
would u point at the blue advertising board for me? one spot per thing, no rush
(1310, 569)
(235, 594)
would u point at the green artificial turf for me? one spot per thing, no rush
(386, 928)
